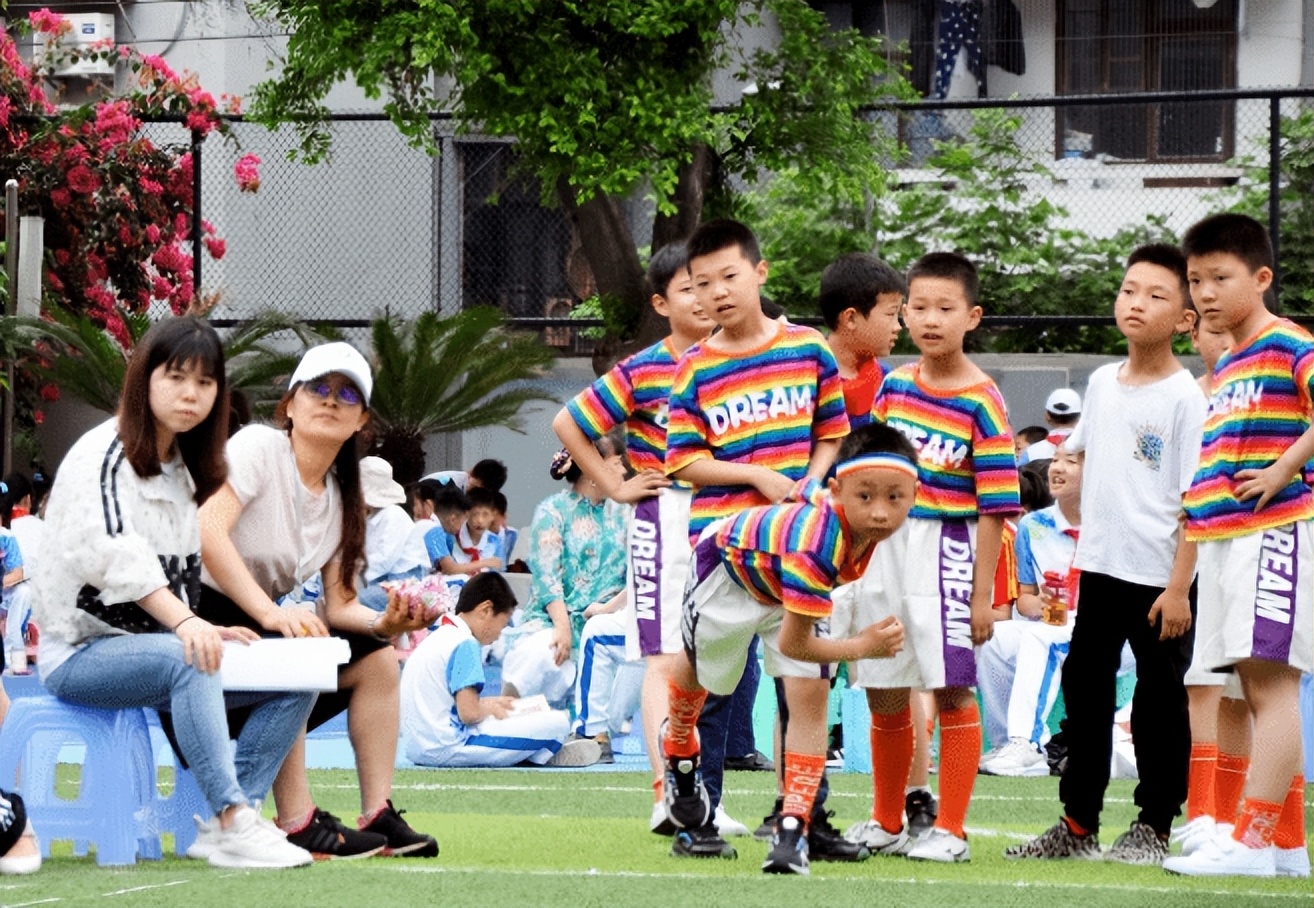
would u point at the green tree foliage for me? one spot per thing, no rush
(603, 98)
(448, 375)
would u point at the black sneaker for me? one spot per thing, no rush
(764, 832)
(921, 808)
(328, 839)
(701, 842)
(789, 848)
(754, 762)
(826, 844)
(401, 839)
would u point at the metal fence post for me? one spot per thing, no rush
(1274, 193)
(197, 231)
(11, 302)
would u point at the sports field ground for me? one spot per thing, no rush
(572, 838)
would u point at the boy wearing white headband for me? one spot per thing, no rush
(769, 571)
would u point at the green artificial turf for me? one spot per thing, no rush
(517, 838)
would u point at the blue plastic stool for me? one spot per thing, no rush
(173, 813)
(1307, 722)
(856, 718)
(117, 782)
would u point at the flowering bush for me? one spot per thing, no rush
(118, 206)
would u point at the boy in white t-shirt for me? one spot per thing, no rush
(445, 721)
(1140, 429)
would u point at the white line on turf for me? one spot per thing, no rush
(145, 888)
(905, 881)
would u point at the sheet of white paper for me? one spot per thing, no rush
(300, 663)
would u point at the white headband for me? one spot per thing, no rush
(876, 461)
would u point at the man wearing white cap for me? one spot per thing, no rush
(1062, 412)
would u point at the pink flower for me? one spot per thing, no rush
(247, 172)
(38, 417)
(152, 233)
(61, 198)
(216, 247)
(149, 186)
(115, 122)
(48, 23)
(83, 179)
(156, 63)
(160, 288)
(48, 392)
(199, 121)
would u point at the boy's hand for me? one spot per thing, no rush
(497, 707)
(880, 640)
(775, 486)
(1173, 611)
(640, 486)
(983, 624)
(1263, 484)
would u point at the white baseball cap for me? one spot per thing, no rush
(1063, 402)
(338, 357)
(377, 486)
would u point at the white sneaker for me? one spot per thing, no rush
(727, 825)
(988, 756)
(252, 842)
(23, 864)
(1221, 856)
(1291, 862)
(207, 839)
(938, 845)
(577, 752)
(1019, 757)
(1194, 834)
(878, 841)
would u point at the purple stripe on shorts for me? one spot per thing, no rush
(706, 558)
(1275, 595)
(646, 573)
(955, 565)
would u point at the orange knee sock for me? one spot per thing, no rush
(1290, 832)
(1257, 824)
(681, 739)
(802, 779)
(1229, 782)
(1200, 784)
(891, 759)
(960, 751)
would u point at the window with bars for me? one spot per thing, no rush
(1127, 46)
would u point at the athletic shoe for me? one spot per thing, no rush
(207, 835)
(872, 835)
(789, 849)
(605, 754)
(727, 825)
(921, 810)
(577, 752)
(1018, 757)
(1058, 843)
(1140, 844)
(327, 838)
(1194, 834)
(754, 762)
(659, 822)
(764, 832)
(401, 839)
(1224, 857)
(988, 756)
(1291, 862)
(701, 842)
(686, 799)
(251, 842)
(826, 844)
(23, 864)
(942, 846)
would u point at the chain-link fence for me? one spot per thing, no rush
(385, 228)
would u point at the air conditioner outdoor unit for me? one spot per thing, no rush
(88, 29)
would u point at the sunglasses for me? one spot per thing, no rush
(346, 394)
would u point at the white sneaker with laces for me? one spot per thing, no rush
(939, 845)
(207, 838)
(727, 825)
(878, 841)
(251, 842)
(1291, 862)
(1224, 856)
(1019, 757)
(1194, 834)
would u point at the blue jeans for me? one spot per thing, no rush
(725, 726)
(148, 670)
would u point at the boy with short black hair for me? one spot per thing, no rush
(937, 574)
(860, 301)
(1140, 431)
(447, 507)
(487, 474)
(476, 547)
(445, 721)
(768, 571)
(1249, 510)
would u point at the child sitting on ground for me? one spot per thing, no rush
(476, 547)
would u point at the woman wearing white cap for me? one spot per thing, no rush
(292, 507)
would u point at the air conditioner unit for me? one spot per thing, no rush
(88, 29)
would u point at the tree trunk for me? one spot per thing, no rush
(695, 180)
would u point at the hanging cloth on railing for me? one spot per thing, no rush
(959, 32)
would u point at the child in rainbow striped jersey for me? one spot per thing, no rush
(937, 574)
(1249, 510)
(769, 571)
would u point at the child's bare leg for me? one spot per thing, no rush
(654, 705)
(1273, 693)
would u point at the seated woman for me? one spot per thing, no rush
(116, 599)
(393, 551)
(577, 564)
(292, 507)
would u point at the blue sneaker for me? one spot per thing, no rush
(789, 848)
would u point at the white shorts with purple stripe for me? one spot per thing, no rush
(921, 575)
(719, 620)
(658, 554)
(1257, 599)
